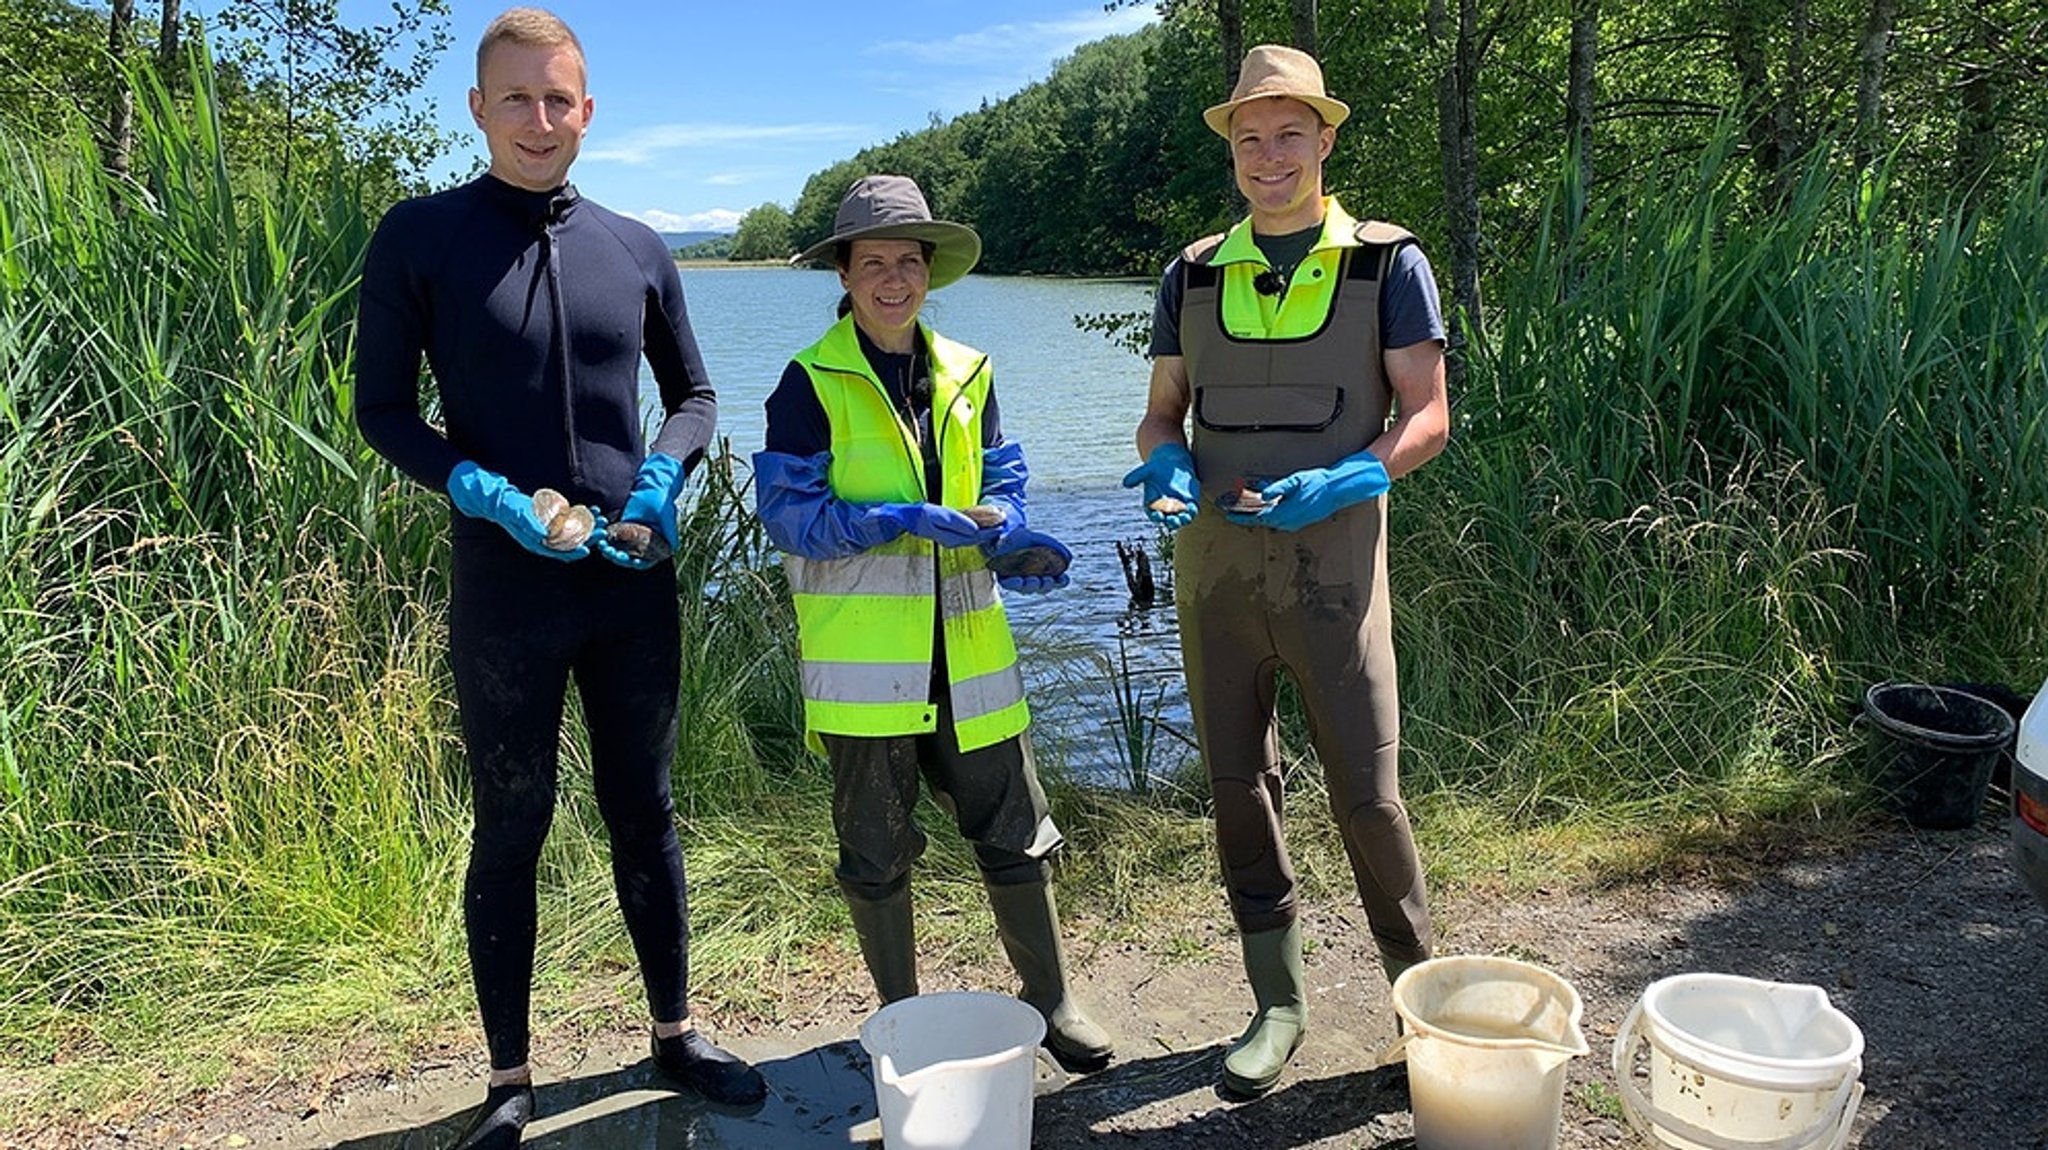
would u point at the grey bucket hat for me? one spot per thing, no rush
(893, 208)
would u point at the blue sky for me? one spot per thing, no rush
(705, 110)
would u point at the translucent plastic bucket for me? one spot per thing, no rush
(1487, 1042)
(954, 1071)
(1740, 1064)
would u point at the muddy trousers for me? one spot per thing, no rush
(992, 794)
(520, 628)
(1253, 601)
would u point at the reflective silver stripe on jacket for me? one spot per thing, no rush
(866, 682)
(868, 573)
(967, 592)
(987, 694)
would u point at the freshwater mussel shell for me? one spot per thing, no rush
(1043, 561)
(984, 515)
(1245, 501)
(569, 525)
(638, 540)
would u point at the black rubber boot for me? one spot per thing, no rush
(501, 1120)
(690, 1059)
(888, 942)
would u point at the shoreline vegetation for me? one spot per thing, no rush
(1721, 460)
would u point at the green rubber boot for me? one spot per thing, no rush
(1028, 923)
(1272, 959)
(888, 942)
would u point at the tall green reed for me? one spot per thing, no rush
(232, 796)
(1884, 336)
(1723, 463)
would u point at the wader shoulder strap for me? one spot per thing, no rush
(1378, 241)
(1195, 269)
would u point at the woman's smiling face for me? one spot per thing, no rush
(887, 281)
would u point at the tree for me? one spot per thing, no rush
(326, 79)
(1305, 25)
(1579, 99)
(168, 62)
(1458, 143)
(1871, 52)
(120, 137)
(763, 234)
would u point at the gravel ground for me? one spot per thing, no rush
(1925, 939)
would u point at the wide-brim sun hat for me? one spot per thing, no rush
(893, 208)
(1272, 70)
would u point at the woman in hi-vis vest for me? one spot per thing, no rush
(900, 507)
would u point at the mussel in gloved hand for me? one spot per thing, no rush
(569, 525)
(984, 515)
(1027, 552)
(638, 540)
(1246, 498)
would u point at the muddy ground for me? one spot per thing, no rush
(1925, 939)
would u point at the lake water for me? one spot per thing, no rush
(1073, 399)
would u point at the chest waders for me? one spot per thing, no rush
(891, 705)
(1279, 386)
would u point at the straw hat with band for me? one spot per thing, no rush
(893, 208)
(1276, 70)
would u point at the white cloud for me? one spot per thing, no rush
(1040, 41)
(734, 179)
(645, 145)
(714, 220)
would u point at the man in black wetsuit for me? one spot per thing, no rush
(532, 308)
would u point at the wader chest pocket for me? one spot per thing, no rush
(1269, 407)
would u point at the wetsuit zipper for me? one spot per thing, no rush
(552, 254)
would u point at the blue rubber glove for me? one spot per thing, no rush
(944, 526)
(1021, 540)
(487, 495)
(794, 499)
(1031, 584)
(656, 488)
(1313, 495)
(1168, 473)
(1003, 476)
(652, 504)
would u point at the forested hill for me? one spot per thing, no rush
(1465, 113)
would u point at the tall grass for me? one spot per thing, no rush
(1720, 468)
(232, 796)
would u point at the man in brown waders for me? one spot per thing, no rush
(1309, 349)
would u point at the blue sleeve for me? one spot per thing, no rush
(793, 496)
(796, 420)
(1166, 313)
(1003, 476)
(1410, 311)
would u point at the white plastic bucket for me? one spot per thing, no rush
(1740, 1064)
(1487, 1042)
(954, 1071)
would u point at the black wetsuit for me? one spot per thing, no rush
(533, 310)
